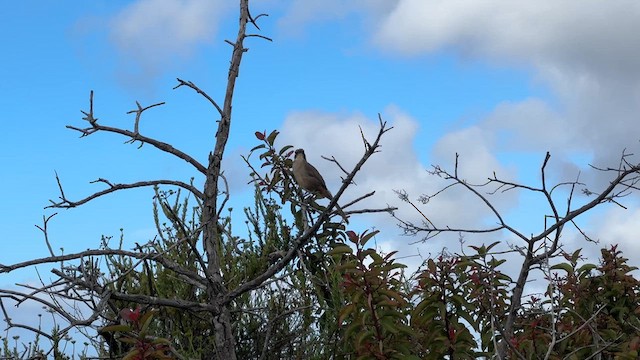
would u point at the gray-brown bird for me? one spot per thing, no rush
(308, 177)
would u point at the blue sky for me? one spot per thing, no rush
(500, 82)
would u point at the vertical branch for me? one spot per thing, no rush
(210, 216)
(45, 231)
(225, 344)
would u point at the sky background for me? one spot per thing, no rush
(500, 82)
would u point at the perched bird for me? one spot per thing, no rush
(308, 177)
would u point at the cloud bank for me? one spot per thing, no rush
(155, 33)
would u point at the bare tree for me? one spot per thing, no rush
(81, 294)
(535, 249)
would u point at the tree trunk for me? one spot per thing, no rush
(212, 239)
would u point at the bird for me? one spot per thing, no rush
(309, 178)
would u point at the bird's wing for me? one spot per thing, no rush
(318, 181)
(312, 171)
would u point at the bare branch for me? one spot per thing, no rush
(143, 299)
(65, 203)
(138, 113)
(134, 135)
(199, 91)
(43, 228)
(254, 20)
(333, 160)
(260, 36)
(103, 252)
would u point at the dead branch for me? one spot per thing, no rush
(138, 113)
(65, 203)
(105, 252)
(134, 135)
(43, 228)
(139, 298)
(193, 86)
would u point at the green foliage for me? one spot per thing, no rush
(457, 297)
(374, 319)
(178, 229)
(596, 311)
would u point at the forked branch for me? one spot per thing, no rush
(133, 135)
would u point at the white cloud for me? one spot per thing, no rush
(529, 125)
(560, 32)
(154, 33)
(585, 52)
(619, 226)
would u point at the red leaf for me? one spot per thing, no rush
(130, 315)
(260, 135)
(452, 334)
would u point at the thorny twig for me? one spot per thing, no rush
(134, 135)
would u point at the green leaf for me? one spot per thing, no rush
(133, 354)
(492, 245)
(284, 149)
(393, 294)
(390, 267)
(261, 146)
(352, 328)
(128, 340)
(586, 268)
(146, 318)
(367, 253)
(345, 312)
(365, 237)
(363, 336)
(389, 325)
(417, 311)
(563, 266)
(340, 249)
(469, 319)
(389, 255)
(431, 265)
(575, 256)
(272, 137)
(377, 259)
